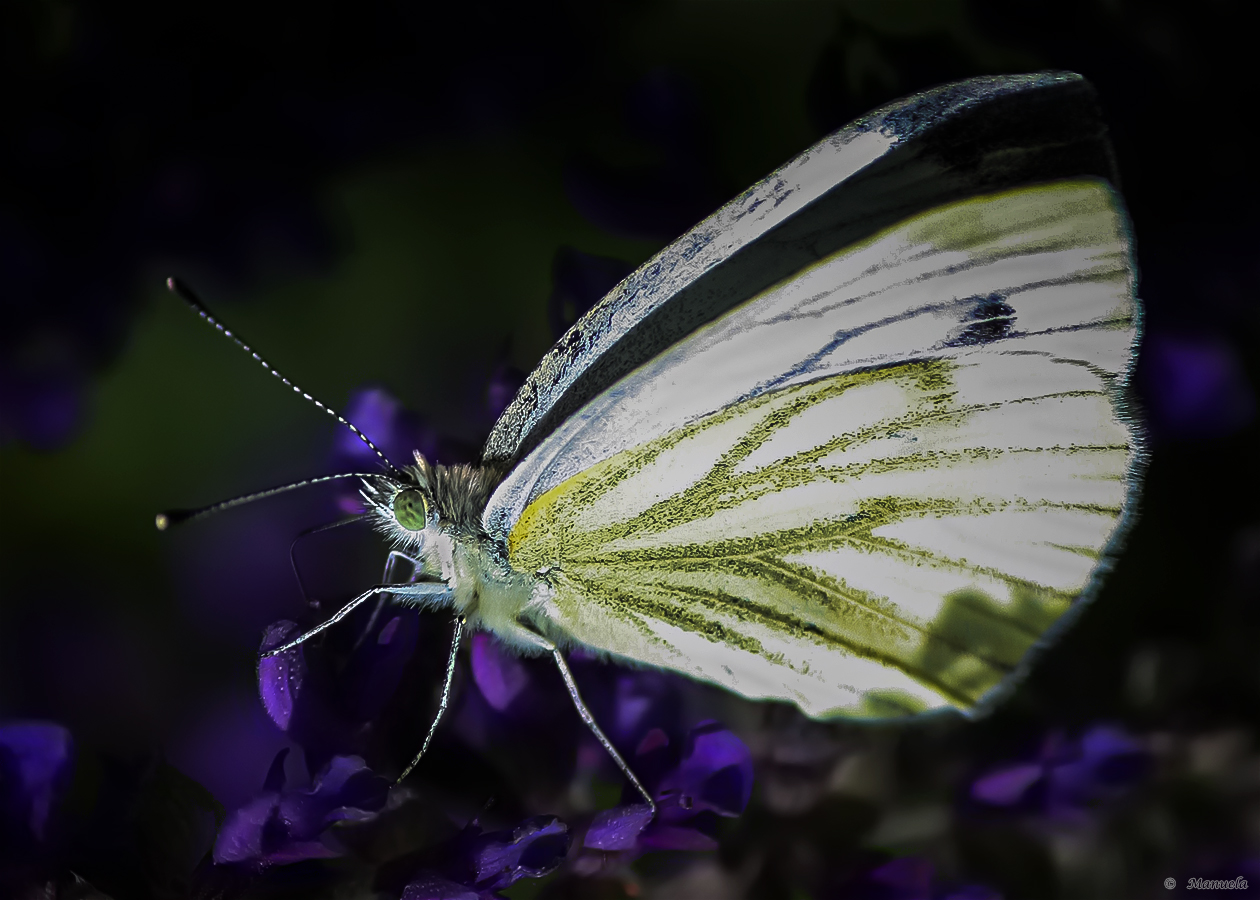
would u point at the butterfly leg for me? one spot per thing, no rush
(446, 697)
(432, 591)
(386, 578)
(595, 729)
(529, 637)
(297, 573)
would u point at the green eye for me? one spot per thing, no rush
(411, 509)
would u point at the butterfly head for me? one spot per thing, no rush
(414, 510)
(403, 507)
(423, 506)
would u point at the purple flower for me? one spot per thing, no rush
(476, 864)
(715, 774)
(1195, 387)
(694, 780)
(1067, 776)
(626, 703)
(399, 432)
(375, 667)
(517, 701)
(428, 886)
(631, 703)
(43, 408)
(711, 777)
(500, 675)
(284, 826)
(501, 387)
(139, 823)
(618, 828)
(36, 762)
(281, 677)
(396, 430)
(327, 715)
(308, 715)
(60, 319)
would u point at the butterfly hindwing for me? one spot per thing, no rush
(871, 487)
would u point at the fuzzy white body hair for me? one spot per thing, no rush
(452, 548)
(489, 594)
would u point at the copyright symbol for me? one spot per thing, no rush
(1170, 883)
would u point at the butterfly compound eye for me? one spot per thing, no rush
(411, 509)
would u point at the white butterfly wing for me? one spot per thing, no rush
(871, 487)
(978, 136)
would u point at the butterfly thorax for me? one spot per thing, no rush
(433, 515)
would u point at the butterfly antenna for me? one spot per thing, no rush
(177, 516)
(185, 293)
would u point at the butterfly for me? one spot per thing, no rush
(860, 441)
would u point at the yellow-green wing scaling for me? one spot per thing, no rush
(873, 487)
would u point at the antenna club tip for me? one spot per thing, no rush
(172, 517)
(180, 290)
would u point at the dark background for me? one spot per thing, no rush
(389, 194)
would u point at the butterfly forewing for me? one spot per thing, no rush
(978, 136)
(871, 488)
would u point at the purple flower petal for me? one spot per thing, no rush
(36, 761)
(1068, 775)
(655, 758)
(300, 851)
(391, 426)
(42, 408)
(655, 739)
(716, 772)
(280, 826)
(396, 430)
(1007, 786)
(345, 789)
(501, 388)
(534, 848)
(1109, 759)
(1106, 742)
(428, 886)
(618, 828)
(500, 675)
(274, 782)
(1197, 386)
(673, 837)
(348, 782)
(642, 700)
(714, 778)
(280, 677)
(377, 667)
(242, 836)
